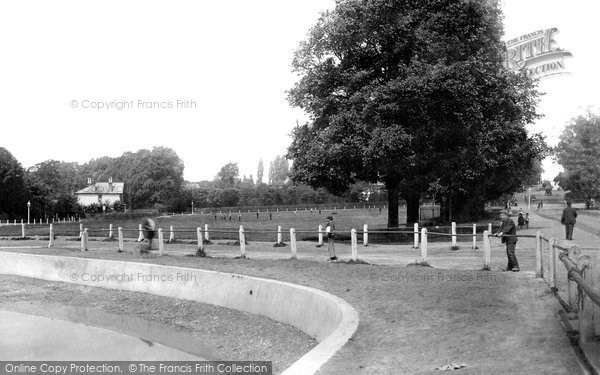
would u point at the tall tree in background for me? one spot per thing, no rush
(228, 175)
(260, 172)
(578, 152)
(13, 192)
(410, 92)
(278, 170)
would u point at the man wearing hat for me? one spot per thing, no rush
(508, 233)
(568, 220)
(330, 230)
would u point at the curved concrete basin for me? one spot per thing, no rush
(326, 317)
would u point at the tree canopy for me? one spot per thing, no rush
(408, 93)
(13, 193)
(578, 153)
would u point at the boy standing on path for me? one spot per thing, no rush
(568, 220)
(330, 230)
(508, 233)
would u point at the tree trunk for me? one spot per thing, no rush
(412, 198)
(392, 205)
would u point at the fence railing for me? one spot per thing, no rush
(582, 289)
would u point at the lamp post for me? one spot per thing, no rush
(192, 207)
(529, 199)
(28, 210)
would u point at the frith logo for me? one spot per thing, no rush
(537, 53)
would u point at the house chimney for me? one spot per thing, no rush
(89, 180)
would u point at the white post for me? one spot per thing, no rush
(141, 235)
(538, 254)
(416, 235)
(424, 245)
(320, 236)
(552, 263)
(242, 243)
(51, 238)
(80, 230)
(489, 227)
(293, 242)
(279, 235)
(22, 230)
(487, 251)
(206, 238)
(110, 231)
(474, 236)
(161, 242)
(365, 235)
(84, 244)
(172, 235)
(354, 246)
(453, 234)
(199, 236)
(120, 232)
(586, 309)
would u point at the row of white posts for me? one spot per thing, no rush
(40, 222)
(453, 234)
(83, 235)
(201, 212)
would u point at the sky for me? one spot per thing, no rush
(85, 79)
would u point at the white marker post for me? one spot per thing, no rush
(416, 236)
(424, 245)
(242, 243)
(51, 238)
(453, 234)
(120, 232)
(354, 245)
(293, 242)
(320, 236)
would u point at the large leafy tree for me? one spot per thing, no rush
(408, 92)
(13, 192)
(578, 153)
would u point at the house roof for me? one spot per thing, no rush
(103, 188)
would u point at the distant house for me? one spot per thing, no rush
(101, 192)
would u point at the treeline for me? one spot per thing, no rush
(152, 179)
(247, 193)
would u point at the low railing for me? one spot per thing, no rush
(582, 291)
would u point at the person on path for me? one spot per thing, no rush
(521, 220)
(527, 220)
(508, 233)
(569, 215)
(330, 230)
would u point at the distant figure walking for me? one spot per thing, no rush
(508, 233)
(527, 220)
(521, 220)
(569, 215)
(330, 230)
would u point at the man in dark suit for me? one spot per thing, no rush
(508, 233)
(568, 220)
